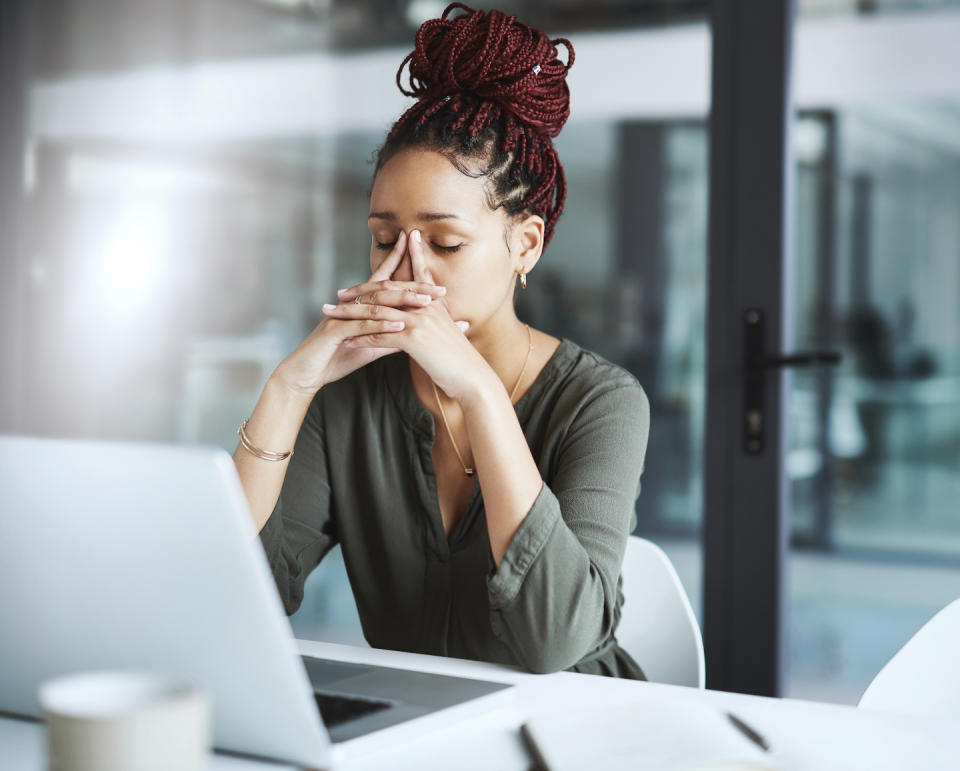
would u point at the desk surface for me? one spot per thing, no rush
(805, 734)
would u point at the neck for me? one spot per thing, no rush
(502, 342)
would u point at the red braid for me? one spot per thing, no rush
(481, 75)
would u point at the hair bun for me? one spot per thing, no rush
(498, 59)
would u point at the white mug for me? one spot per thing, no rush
(125, 721)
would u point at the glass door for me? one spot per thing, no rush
(874, 463)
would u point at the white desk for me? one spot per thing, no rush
(805, 734)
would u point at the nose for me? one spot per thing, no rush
(404, 271)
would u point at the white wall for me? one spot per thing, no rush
(637, 74)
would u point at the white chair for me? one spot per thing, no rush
(923, 678)
(658, 628)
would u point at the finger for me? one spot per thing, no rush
(348, 329)
(389, 266)
(395, 298)
(417, 260)
(363, 311)
(346, 295)
(374, 340)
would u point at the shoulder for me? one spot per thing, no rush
(595, 417)
(586, 378)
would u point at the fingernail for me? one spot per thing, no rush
(396, 324)
(341, 291)
(423, 297)
(328, 306)
(441, 289)
(415, 235)
(464, 325)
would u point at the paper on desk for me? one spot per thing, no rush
(667, 736)
(827, 737)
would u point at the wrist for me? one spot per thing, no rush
(482, 392)
(285, 391)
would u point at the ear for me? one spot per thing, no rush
(528, 240)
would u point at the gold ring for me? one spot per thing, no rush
(357, 301)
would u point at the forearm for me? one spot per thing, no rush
(549, 601)
(553, 596)
(274, 425)
(507, 471)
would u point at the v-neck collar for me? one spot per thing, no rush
(419, 419)
(415, 413)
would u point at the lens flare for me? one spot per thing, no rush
(127, 266)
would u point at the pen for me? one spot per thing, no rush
(749, 732)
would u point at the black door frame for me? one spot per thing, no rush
(750, 243)
(13, 120)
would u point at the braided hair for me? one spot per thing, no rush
(491, 92)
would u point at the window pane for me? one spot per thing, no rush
(188, 217)
(875, 462)
(624, 277)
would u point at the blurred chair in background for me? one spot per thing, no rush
(658, 628)
(923, 678)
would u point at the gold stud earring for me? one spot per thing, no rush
(523, 279)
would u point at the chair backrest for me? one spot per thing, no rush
(657, 627)
(923, 678)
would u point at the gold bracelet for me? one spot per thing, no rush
(259, 452)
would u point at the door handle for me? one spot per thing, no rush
(756, 363)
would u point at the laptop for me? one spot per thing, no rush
(138, 556)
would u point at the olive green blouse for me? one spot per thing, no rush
(362, 475)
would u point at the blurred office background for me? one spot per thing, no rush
(196, 183)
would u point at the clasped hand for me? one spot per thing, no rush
(390, 316)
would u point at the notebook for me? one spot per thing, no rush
(662, 736)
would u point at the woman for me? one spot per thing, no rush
(480, 475)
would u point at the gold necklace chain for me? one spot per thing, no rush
(469, 471)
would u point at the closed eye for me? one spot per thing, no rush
(445, 249)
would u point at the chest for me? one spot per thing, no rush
(454, 485)
(454, 491)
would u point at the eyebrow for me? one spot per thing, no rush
(424, 216)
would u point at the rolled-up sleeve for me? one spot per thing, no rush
(553, 597)
(301, 529)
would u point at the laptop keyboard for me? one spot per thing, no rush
(337, 710)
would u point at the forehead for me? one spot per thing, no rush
(422, 180)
